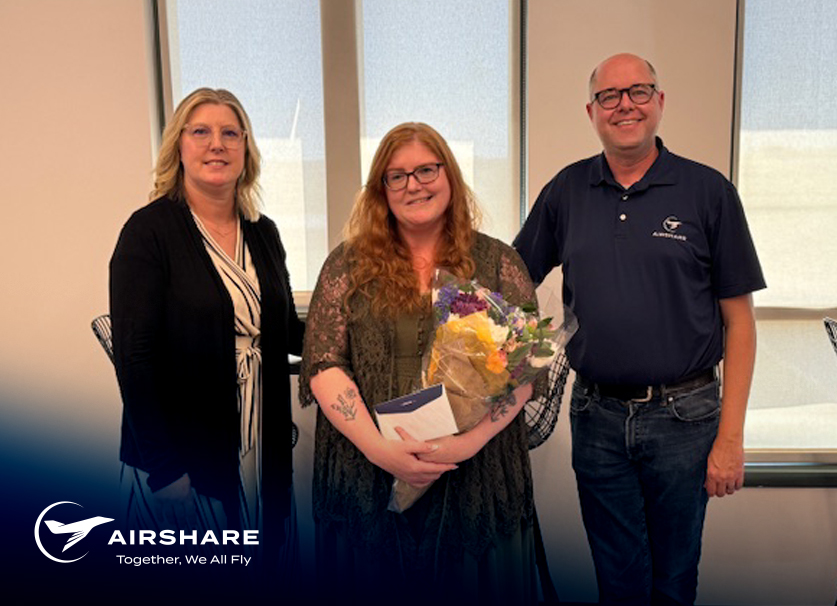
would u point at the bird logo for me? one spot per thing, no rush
(671, 223)
(77, 530)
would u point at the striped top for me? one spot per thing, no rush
(239, 277)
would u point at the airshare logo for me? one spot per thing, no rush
(76, 530)
(80, 529)
(670, 224)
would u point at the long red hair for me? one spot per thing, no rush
(380, 263)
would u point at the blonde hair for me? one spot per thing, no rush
(380, 262)
(168, 173)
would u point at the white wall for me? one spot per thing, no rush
(76, 158)
(75, 161)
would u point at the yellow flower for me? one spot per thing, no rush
(478, 324)
(469, 340)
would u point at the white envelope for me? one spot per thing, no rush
(425, 415)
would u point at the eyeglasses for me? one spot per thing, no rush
(427, 173)
(231, 137)
(610, 98)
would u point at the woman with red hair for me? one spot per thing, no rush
(369, 323)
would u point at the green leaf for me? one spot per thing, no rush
(518, 355)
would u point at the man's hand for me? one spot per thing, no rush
(725, 468)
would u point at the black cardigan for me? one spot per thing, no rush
(174, 351)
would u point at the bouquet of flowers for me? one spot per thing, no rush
(483, 349)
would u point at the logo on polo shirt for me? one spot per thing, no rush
(670, 224)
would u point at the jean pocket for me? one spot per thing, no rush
(702, 404)
(581, 399)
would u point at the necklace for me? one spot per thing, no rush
(217, 230)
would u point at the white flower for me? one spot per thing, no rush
(540, 362)
(498, 333)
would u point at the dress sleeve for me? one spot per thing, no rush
(327, 335)
(517, 288)
(137, 291)
(515, 285)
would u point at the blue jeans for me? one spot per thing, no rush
(640, 469)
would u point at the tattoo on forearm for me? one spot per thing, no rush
(347, 404)
(501, 408)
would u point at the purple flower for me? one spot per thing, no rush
(446, 295)
(466, 304)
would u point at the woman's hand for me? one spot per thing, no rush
(174, 505)
(452, 449)
(463, 446)
(339, 399)
(401, 459)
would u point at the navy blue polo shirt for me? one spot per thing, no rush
(644, 267)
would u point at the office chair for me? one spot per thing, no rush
(541, 414)
(101, 328)
(831, 329)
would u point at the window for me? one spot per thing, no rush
(268, 54)
(786, 160)
(450, 64)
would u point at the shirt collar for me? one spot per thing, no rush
(661, 171)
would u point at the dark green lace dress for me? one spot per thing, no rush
(470, 536)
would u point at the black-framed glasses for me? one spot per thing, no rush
(231, 137)
(640, 94)
(426, 173)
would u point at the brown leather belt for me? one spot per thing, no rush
(646, 393)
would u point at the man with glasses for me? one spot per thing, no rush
(659, 268)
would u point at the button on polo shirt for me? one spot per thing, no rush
(643, 267)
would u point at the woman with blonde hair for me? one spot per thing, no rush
(470, 535)
(203, 321)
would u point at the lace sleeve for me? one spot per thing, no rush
(518, 289)
(515, 284)
(326, 335)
